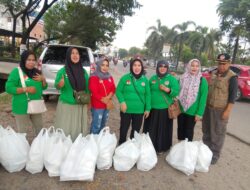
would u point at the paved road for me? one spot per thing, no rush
(239, 123)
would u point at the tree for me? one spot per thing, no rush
(45, 6)
(122, 53)
(235, 19)
(159, 35)
(22, 8)
(95, 22)
(16, 8)
(181, 37)
(134, 51)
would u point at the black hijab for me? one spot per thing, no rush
(160, 63)
(137, 76)
(29, 72)
(75, 72)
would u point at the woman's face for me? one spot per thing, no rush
(137, 67)
(75, 56)
(194, 67)
(30, 62)
(163, 69)
(104, 67)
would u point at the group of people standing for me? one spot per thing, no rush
(143, 103)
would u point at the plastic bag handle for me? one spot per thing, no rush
(102, 132)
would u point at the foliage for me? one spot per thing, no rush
(122, 53)
(235, 20)
(94, 22)
(134, 51)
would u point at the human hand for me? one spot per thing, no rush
(225, 115)
(31, 89)
(123, 107)
(38, 77)
(146, 114)
(197, 118)
(105, 99)
(164, 88)
(61, 83)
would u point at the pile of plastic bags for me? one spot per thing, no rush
(138, 151)
(190, 156)
(14, 149)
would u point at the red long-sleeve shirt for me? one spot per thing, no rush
(98, 92)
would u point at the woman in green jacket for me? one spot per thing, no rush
(164, 88)
(192, 99)
(70, 116)
(133, 94)
(35, 84)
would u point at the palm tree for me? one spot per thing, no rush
(156, 39)
(203, 41)
(181, 37)
(234, 16)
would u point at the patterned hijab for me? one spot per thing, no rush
(98, 71)
(75, 72)
(29, 72)
(189, 86)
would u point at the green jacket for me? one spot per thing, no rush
(20, 101)
(159, 98)
(67, 91)
(198, 107)
(126, 92)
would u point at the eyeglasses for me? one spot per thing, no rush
(165, 66)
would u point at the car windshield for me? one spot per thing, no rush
(57, 54)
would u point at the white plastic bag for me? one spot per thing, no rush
(148, 158)
(56, 150)
(204, 157)
(106, 144)
(14, 149)
(183, 156)
(126, 155)
(36, 153)
(81, 160)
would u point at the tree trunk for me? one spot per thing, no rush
(13, 43)
(236, 45)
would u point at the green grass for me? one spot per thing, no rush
(5, 98)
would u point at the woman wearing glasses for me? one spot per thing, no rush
(164, 88)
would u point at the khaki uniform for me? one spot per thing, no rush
(213, 126)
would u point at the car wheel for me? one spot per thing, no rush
(238, 95)
(46, 98)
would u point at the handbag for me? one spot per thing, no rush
(81, 97)
(174, 110)
(110, 104)
(34, 106)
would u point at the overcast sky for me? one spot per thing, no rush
(170, 12)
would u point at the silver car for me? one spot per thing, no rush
(53, 58)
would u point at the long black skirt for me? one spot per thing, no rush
(160, 128)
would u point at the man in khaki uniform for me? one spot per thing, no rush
(221, 97)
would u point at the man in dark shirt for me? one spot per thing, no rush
(221, 97)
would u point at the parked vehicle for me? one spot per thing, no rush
(243, 73)
(52, 59)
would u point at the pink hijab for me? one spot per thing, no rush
(189, 86)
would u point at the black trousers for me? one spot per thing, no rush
(186, 125)
(126, 119)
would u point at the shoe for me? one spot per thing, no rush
(214, 161)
